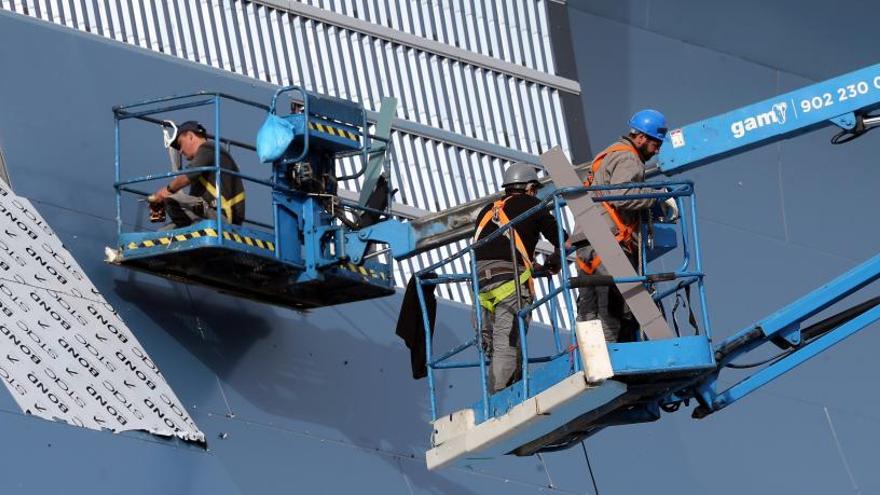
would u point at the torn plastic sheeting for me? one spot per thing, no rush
(65, 354)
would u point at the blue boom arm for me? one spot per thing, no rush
(843, 101)
(846, 102)
(784, 329)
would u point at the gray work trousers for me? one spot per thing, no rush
(605, 303)
(184, 210)
(500, 331)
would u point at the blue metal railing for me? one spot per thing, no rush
(148, 111)
(145, 111)
(689, 272)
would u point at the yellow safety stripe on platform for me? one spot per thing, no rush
(250, 241)
(333, 131)
(165, 241)
(363, 271)
(227, 203)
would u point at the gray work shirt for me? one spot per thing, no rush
(620, 167)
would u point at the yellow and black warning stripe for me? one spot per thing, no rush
(250, 241)
(363, 271)
(333, 131)
(230, 236)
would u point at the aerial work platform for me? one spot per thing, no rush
(584, 385)
(321, 249)
(589, 385)
(304, 258)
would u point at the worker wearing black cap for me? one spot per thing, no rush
(201, 202)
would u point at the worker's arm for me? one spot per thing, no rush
(204, 158)
(549, 229)
(175, 185)
(625, 167)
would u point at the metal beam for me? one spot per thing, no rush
(421, 217)
(786, 364)
(484, 147)
(588, 221)
(431, 46)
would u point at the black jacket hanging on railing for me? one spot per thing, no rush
(410, 326)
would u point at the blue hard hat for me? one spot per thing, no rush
(649, 122)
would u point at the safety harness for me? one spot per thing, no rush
(227, 204)
(624, 232)
(491, 298)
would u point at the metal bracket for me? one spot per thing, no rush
(846, 121)
(376, 165)
(790, 335)
(399, 237)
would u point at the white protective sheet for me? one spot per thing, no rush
(65, 354)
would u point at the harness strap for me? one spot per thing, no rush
(624, 231)
(497, 216)
(227, 204)
(491, 298)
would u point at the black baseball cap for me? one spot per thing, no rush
(189, 126)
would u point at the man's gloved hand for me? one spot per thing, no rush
(553, 263)
(670, 210)
(157, 212)
(157, 207)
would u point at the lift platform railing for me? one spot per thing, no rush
(150, 110)
(688, 273)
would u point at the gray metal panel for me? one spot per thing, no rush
(815, 39)
(200, 32)
(589, 222)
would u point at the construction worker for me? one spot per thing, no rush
(201, 202)
(499, 293)
(622, 162)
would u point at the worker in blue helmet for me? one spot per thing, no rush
(622, 162)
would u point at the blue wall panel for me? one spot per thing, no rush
(817, 39)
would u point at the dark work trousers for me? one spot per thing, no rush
(606, 303)
(184, 210)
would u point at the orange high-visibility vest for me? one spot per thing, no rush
(624, 231)
(497, 215)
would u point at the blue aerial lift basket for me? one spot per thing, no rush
(297, 261)
(588, 385)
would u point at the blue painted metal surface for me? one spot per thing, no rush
(692, 352)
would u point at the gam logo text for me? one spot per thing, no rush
(776, 115)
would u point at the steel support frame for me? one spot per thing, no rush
(796, 358)
(786, 323)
